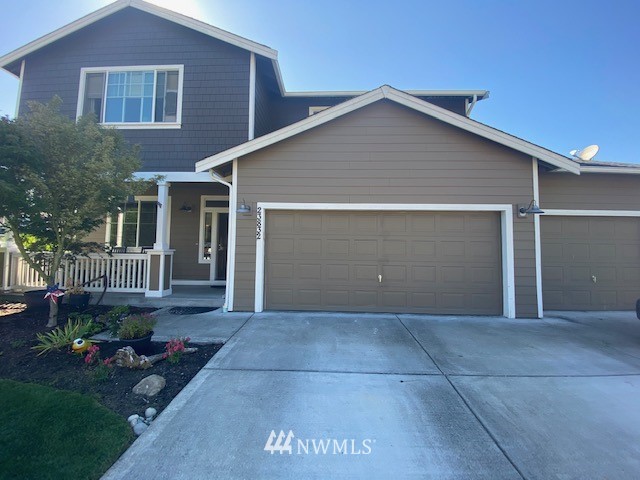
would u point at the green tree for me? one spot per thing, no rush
(58, 180)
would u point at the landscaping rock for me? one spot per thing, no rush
(139, 428)
(150, 386)
(128, 358)
(133, 419)
(149, 413)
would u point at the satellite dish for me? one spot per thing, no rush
(586, 154)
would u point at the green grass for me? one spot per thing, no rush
(48, 433)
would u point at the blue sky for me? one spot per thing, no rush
(563, 74)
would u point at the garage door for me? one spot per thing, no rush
(590, 263)
(427, 262)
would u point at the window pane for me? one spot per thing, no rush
(206, 248)
(130, 224)
(132, 107)
(94, 91)
(114, 110)
(129, 97)
(148, 218)
(172, 81)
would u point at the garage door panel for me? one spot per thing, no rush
(310, 271)
(606, 249)
(337, 224)
(281, 271)
(451, 249)
(337, 273)
(425, 274)
(337, 247)
(423, 249)
(282, 247)
(394, 248)
(365, 248)
(393, 299)
(429, 262)
(390, 223)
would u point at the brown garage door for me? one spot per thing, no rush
(384, 262)
(590, 263)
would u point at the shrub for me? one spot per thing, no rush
(113, 318)
(136, 326)
(61, 337)
(91, 327)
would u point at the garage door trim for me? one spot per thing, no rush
(506, 234)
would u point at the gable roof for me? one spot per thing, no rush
(202, 27)
(402, 98)
(112, 8)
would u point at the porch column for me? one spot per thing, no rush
(160, 258)
(163, 217)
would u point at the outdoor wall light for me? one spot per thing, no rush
(186, 208)
(244, 207)
(532, 209)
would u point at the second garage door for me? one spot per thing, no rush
(590, 263)
(422, 262)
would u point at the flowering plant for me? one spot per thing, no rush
(174, 349)
(103, 368)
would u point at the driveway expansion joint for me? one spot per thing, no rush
(348, 372)
(464, 400)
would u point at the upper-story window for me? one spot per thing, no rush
(133, 97)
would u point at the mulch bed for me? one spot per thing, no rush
(18, 328)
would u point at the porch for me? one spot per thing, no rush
(124, 277)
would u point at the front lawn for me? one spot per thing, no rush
(48, 433)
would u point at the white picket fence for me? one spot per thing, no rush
(125, 272)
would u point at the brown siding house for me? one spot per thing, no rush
(379, 201)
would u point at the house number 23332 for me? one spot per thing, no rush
(258, 223)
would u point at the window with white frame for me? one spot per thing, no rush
(135, 223)
(132, 96)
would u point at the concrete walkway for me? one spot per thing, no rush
(413, 396)
(209, 327)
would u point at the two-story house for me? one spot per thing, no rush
(383, 201)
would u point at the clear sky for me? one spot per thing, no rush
(562, 74)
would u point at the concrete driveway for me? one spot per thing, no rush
(406, 396)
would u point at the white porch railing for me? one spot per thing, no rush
(125, 272)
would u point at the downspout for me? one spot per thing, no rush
(230, 237)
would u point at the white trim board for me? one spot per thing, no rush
(402, 98)
(537, 240)
(481, 94)
(506, 222)
(591, 213)
(613, 169)
(183, 20)
(176, 177)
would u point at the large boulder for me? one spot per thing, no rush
(150, 386)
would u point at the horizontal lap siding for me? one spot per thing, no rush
(590, 191)
(216, 82)
(385, 153)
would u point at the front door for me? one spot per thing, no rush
(216, 226)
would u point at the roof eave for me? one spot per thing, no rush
(403, 99)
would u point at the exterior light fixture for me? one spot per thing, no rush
(186, 208)
(532, 209)
(244, 207)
